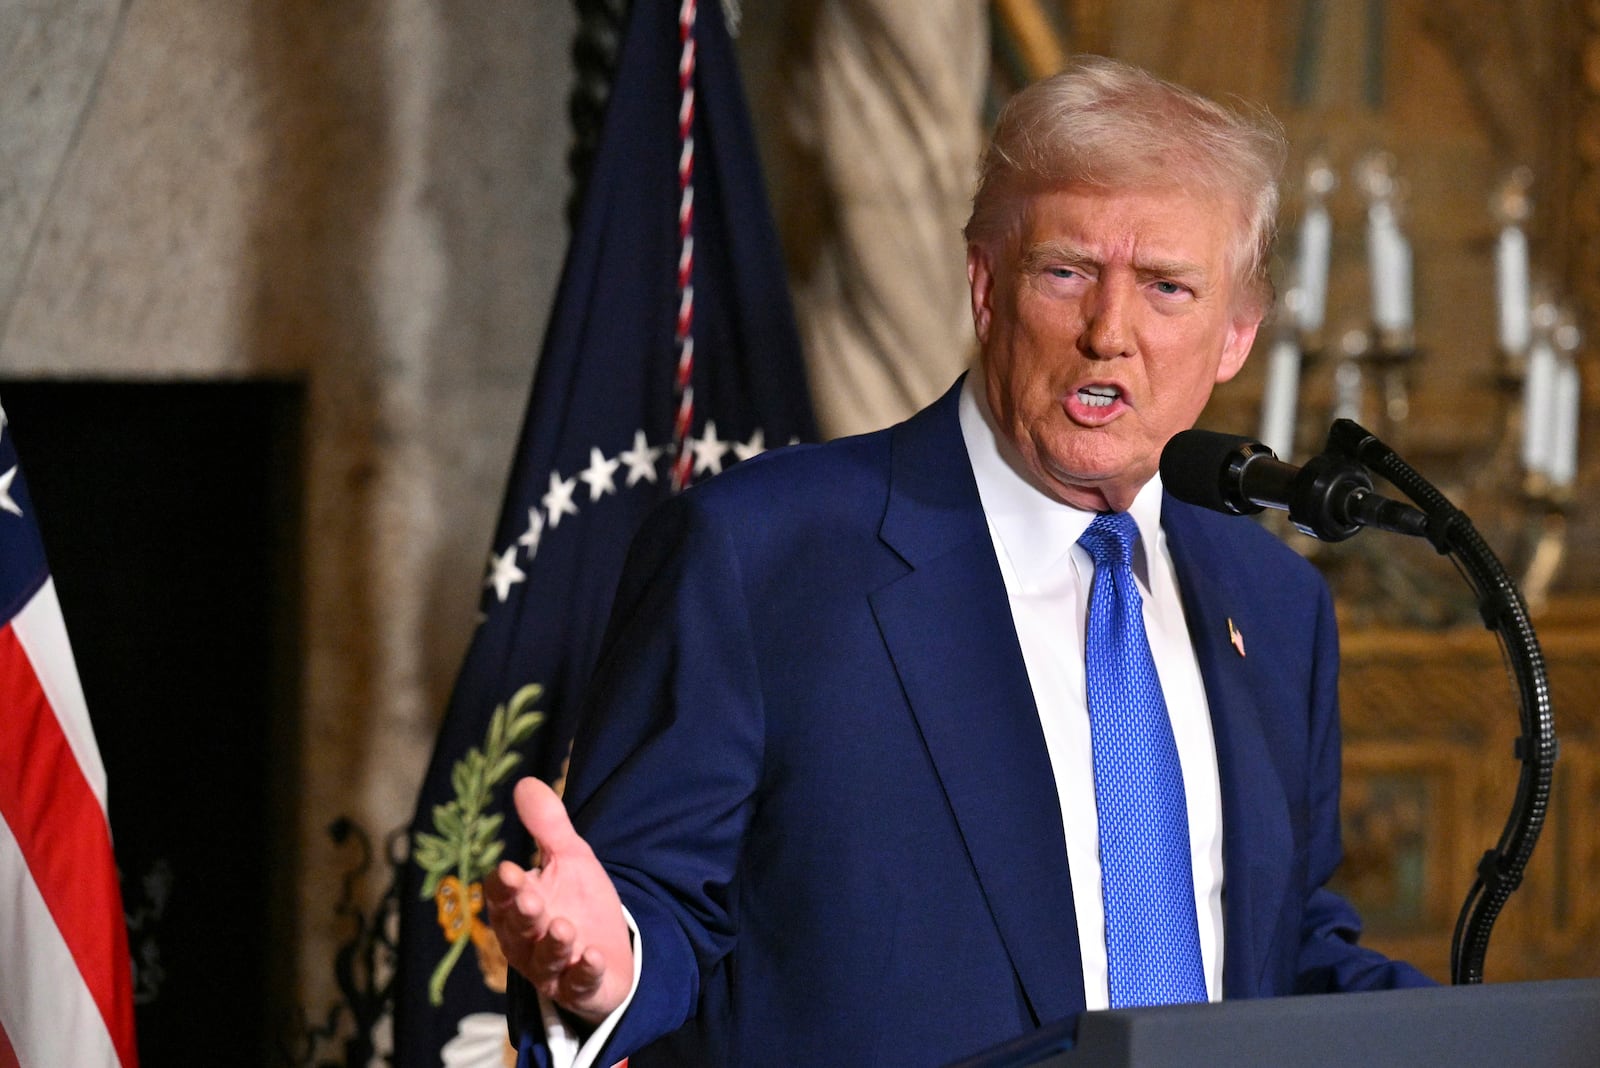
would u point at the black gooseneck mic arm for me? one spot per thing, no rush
(1331, 498)
(1503, 611)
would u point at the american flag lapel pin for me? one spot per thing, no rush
(1235, 638)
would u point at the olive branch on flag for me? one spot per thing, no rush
(467, 845)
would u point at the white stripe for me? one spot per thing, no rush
(43, 636)
(45, 1006)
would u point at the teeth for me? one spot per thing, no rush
(1098, 396)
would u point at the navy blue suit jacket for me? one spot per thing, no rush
(814, 768)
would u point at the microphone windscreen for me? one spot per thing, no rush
(1195, 466)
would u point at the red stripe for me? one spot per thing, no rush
(62, 833)
(685, 312)
(8, 1056)
(686, 112)
(686, 59)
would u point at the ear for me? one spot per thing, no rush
(980, 280)
(1236, 347)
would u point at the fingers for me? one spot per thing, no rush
(508, 891)
(500, 886)
(582, 980)
(561, 974)
(516, 913)
(552, 955)
(542, 812)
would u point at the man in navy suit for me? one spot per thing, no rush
(836, 800)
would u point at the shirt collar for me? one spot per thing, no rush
(1035, 531)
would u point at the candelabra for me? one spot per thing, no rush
(1519, 487)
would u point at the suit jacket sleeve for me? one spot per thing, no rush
(666, 808)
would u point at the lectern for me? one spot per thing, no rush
(1554, 1023)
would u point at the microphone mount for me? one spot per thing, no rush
(1331, 498)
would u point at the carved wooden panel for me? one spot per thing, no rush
(1429, 724)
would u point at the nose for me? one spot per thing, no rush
(1107, 332)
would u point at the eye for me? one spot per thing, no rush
(1170, 289)
(1063, 272)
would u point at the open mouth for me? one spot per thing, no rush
(1098, 396)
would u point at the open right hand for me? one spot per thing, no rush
(561, 924)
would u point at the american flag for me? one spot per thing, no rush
(65, 976)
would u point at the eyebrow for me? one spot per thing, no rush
(1180, 270)
(1047, 253)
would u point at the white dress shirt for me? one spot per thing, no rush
(1047, 576)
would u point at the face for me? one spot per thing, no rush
(1104, 322)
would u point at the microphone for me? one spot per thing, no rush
(1330, 498)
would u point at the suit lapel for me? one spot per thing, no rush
(947, 625)
(1257, 841)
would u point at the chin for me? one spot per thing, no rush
(1081, 462)
(1105, 484)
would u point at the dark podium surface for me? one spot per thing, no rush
(1491, 1026)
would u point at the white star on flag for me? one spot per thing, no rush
(504, 573)
(708, 450)
(757, 445)
(598, 475)
(641, 459)
(530, 537)
(5, 492)
(557, 500)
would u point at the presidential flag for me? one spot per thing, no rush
(671, 354)
(65, 977)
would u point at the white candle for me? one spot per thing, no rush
(1316, 239)
(1282, 392)
(1347, 390)
(1389, 269)
(1511, 277)
(1538, 408)
(1403, 311)
(1564, 423)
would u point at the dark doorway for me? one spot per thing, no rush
(171, 516)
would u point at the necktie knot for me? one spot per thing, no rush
(1109, 539)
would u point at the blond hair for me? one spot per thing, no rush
(1104, 123)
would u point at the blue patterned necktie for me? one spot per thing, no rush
(1147, 873)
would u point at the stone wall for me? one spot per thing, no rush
(364, 197)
